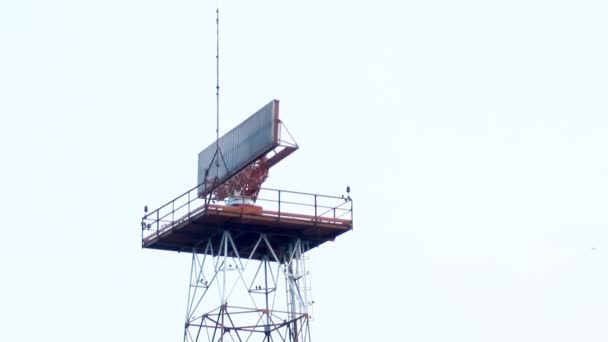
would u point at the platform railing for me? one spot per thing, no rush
(279, 204)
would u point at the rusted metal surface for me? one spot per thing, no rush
(248, 182)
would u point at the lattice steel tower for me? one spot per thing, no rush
(250, 276)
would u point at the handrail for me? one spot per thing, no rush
(286, 204)
(302, 204)
(303, 193)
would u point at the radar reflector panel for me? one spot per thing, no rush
(238, 163)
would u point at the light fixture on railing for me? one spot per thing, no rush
(347, 198)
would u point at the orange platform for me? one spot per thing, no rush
(192, 231)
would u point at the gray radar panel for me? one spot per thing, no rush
(238, 148)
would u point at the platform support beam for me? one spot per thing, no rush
(234, 298)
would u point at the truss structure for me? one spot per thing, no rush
(233, 297)
(247, 183)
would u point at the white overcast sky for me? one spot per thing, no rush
(473, 135)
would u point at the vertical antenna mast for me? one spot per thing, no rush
(217, 85)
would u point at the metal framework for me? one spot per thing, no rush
(250, 276)
(248, 182)
(259, 300)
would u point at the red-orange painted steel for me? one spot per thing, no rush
(190, 233)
